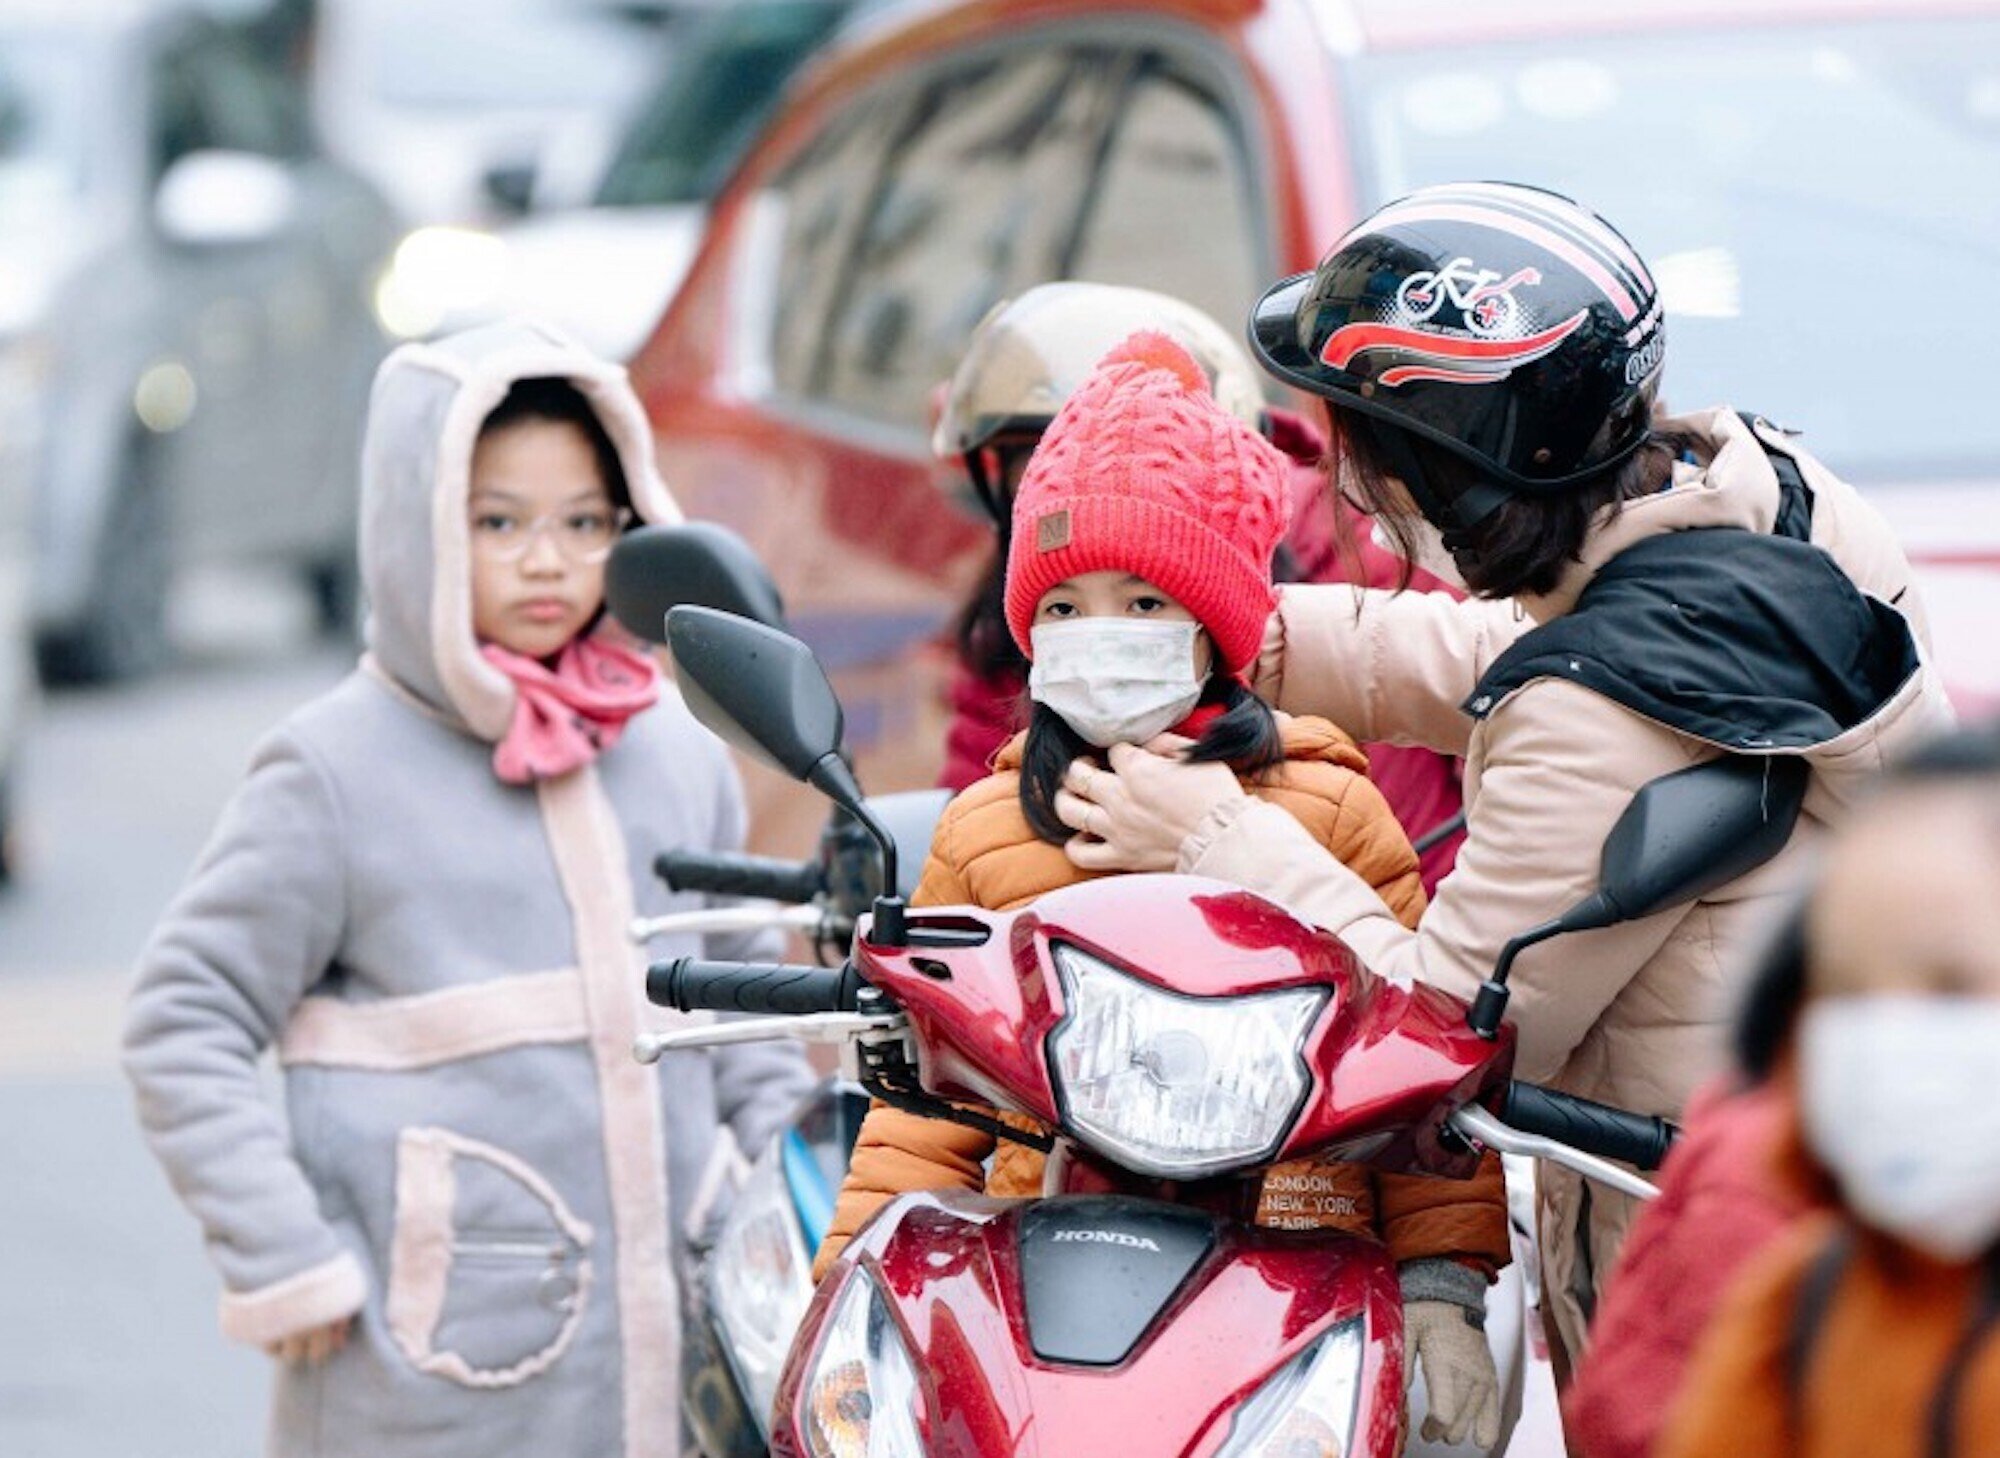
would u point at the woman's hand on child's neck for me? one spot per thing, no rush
(1137, 814)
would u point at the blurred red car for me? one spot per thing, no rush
(1815, 182)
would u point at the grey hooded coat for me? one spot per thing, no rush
(475, 1165)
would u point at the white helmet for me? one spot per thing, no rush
(1028, 354)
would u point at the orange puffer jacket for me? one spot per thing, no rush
(984, 854)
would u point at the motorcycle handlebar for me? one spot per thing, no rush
(690, 984)
(726, 873)
(1641, 1140)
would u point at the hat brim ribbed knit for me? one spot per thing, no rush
(1228, 591)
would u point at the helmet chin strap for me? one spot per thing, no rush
(987, 487)
(1455, 517)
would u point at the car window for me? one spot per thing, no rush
(978, 201)
(1173, 208)
(210, 92)
(825, 195)
(722, 84)
(1801, 204)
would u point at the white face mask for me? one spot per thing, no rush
(1899, 1101)
(1427, 549)
(1115, 680)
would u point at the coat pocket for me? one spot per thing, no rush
(489, 1271)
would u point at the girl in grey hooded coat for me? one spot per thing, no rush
(476, 1171)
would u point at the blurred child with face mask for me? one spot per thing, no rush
(1138, 581)
(1876, 1329)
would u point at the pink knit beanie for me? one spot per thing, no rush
(1141, 471)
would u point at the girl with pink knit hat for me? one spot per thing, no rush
(1138, 583)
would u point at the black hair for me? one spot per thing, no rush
(552, 398)
(1777, 990)
(1245, 736)
(985, 643)
(1524, 544)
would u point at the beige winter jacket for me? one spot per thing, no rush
(1632, 1014)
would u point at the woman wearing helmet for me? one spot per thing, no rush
(1024, 360)
(1647, 593)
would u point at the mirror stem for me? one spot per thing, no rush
(834, 778)
(1490, 1006)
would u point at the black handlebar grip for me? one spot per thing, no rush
(728, 874)
(689, 984)
(1641, 1140)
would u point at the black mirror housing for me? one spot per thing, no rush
(757, 688)
(510, 186)
(1682, 836)
(655, 569)
(1687, 833)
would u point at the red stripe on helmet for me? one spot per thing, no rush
(1344, 344)
(1404, 374)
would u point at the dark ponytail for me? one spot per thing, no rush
(1245, 737)
(1045, 759)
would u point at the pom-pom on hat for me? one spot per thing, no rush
(1142, 472)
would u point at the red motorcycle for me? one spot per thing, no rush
(1180, 1036)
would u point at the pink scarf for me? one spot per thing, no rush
(565, 716)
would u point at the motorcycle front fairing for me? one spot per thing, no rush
(1182, 1035)
(1100, 1324)
(1379, 1066)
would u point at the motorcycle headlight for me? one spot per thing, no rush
(860, 1399)
(762, 1283)
(1306, 1410)
(1175, 1086)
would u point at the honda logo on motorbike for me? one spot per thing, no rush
(1105, 1237)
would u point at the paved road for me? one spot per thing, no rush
(108, 1342)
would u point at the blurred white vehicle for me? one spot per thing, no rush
(183, 288)
(605, 270)
(458, 109)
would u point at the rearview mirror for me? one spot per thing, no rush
(656, 569)
(757, 688)
(1689, 832)
(510, 186)
(1682, 836)
(763, 692)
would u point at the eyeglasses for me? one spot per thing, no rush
(584, 536)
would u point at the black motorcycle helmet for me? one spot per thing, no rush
(1504, 324)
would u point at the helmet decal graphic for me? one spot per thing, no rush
(1500, 285)
(1419, 354)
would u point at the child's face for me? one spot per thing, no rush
(1114, 594)
(1907, 904)
(542, 523)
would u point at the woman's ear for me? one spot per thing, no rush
(1204, 653)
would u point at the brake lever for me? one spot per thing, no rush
(1482, 1125)
(837, 1027)
(725, 919)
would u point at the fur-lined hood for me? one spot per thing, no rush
(423, 421)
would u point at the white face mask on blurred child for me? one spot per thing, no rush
(1899, 1102)
(1115, 680)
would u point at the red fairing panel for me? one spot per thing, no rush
(1387, 1062)
(948, 1267)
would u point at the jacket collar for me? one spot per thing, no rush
(1735, 487)
(1304, 737)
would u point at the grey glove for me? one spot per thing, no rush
(1447, 1333)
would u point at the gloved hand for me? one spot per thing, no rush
(1464, 1385)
